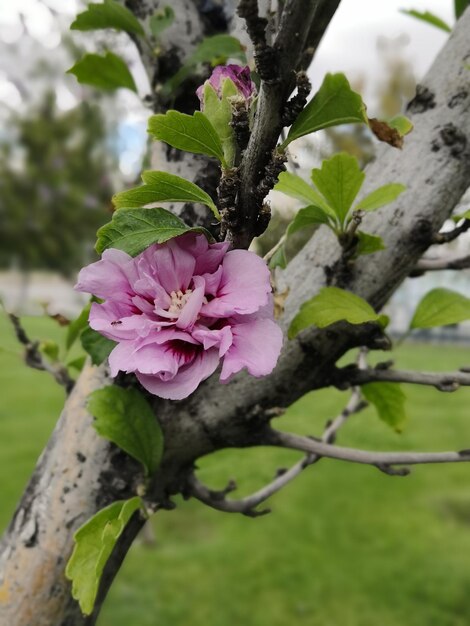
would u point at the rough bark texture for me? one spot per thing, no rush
(67, 487)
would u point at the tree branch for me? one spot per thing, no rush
(33, 357)
(443, 381)
(446, 237)
(248, 505)
(438, 265)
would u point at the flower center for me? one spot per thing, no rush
(178, 300)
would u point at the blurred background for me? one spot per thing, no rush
(344, 544)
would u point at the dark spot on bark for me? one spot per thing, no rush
(457, 99)
(423, 100)
(81, 458)
(454, 138)
(422, 232)
(66, 489)
(435, 147)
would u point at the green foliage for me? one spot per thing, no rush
(77, 326)
(125, 417)
(54, 197)
(192, 133)
(460, 6)
(219, 112)
(107, 72)
(430, 18)
(94, 544)
(161, 20)
(50, 349)
(335, 103)
(163, 187)
(137, 229)
(441, 307)
(215, 50)
(462, 216)
(339, 181)
(332, 305)
(401, 123)
(97, 346)
(108, 14)
(380, 197)
(389, 400)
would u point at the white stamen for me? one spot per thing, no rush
(178, 300)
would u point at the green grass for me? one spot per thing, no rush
(345, 545)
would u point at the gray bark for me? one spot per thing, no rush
(66, 489)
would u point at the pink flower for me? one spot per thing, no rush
(240, 76)
(180, 307)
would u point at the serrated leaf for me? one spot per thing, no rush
(460, 6)
(380, 197)
(339, 181)
(332, 305)
(219, 112)
(296, 187)
(161, 20)
(430, 18)
(192, 133)
(97, 346)
(335, 103)
(368, 244)
(108, 14)
(135, 230)
(163, 187)
(107, 72)
(308, 216)
(94, 544)
(125, 417)
(76, 326)
(389, 400)
(441, 307)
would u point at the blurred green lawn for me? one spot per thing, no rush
(345, 545)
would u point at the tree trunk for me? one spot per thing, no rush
(78, 472)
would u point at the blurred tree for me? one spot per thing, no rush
(55, 187)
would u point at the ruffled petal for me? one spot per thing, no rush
(256, 346)
(244, 286)
(109, 278)
(186, 380)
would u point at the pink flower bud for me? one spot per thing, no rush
(240, 76)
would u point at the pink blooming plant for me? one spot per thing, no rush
(240, 76)
(179, 308)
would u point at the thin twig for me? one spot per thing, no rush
(450, 235)
(437, 265)
(34, 358)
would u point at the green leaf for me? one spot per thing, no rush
(78, 363)
(163, 187)
(332, 305)
(219, 112)
(108, 14)
(76, 327)
(105, 72)
(192, 133)
(389, 401)
(368, 244)
(135, 230)
(161, 20)
(296, 187)
(380, 197)
(308, 216)
(94, 543)
(335, 103)
(217, 49)
(126, 418)
(279, 258)
(441, 307)
(97, 346)
(460, 6)
(430, 18)
(339, 180)
(401, 123)
(50, 349)
(462, 216)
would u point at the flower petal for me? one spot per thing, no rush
(256, 346)
(186, 380)
(108, 278)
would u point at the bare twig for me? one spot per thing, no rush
(35, 359)
(248, 505)
(450, 235)
(437, 265)
(443, 381)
